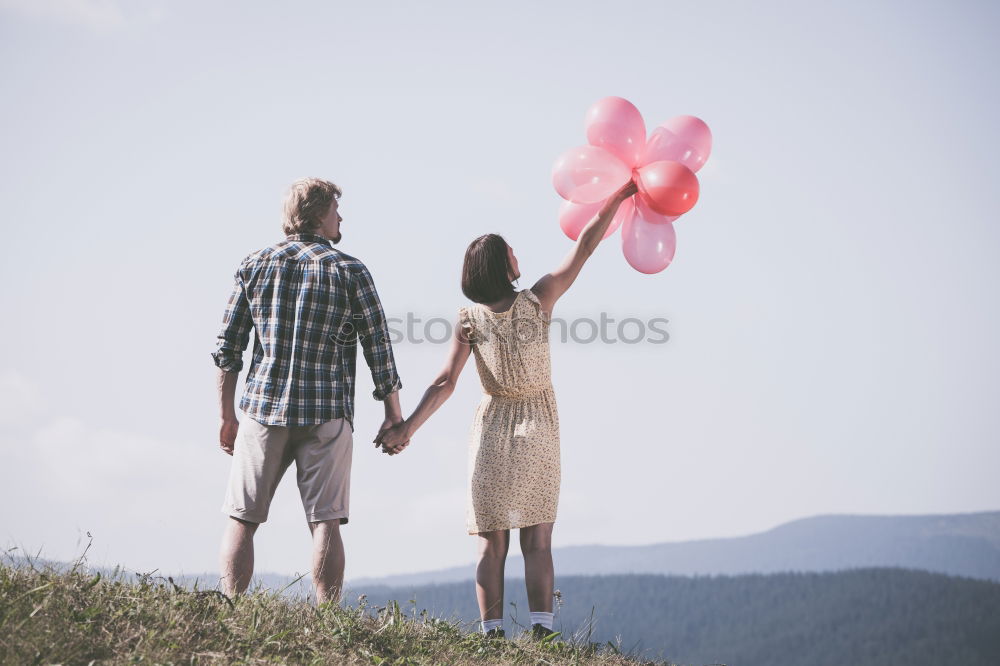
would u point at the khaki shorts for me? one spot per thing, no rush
(322, 455)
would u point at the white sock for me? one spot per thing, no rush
(544, 619)
(492, 624)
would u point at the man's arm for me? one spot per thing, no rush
(373, 333)
(227, 397)
(228, 357)
(393, 412)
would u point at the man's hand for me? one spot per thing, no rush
(393, 439)
(227, 434)
(386, 424)
(393, 417)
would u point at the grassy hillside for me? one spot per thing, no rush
(861, 617)
(864, 617)
(72, 616)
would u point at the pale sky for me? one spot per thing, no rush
(832, 306)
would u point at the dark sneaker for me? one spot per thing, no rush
(539, 632)
(496, 632)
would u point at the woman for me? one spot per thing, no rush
(514, 470)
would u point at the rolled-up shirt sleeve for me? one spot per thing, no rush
(235, 334)
(373, 333)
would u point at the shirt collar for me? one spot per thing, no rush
(316, 238)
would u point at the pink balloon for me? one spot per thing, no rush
(573, 217)
(616, 125)
(670, 188)
(684, 139)
(645, 212)
(693, 131)
(588, 174)
(648, 247)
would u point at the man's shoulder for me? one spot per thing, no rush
(296, 250)
(352, 264)
(281, 248)
(336, 259)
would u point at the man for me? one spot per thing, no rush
(309, 305)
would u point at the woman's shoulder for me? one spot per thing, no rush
(540, 296)
(532, 303)
(467, 322)
(522, 298)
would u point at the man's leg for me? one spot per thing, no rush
(260, 458)
(236, 556)
(328, 560)
(323, 466)
(489, 573)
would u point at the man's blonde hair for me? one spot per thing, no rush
(308, 201)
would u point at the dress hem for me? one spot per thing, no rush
(512, 527)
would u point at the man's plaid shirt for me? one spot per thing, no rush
(309, 304)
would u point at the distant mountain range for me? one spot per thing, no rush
(965, 544)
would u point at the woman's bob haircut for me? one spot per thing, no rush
(486, 270)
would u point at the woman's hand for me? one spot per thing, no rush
(393, 440)
(627, 190)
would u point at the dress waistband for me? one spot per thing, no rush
(521, 394)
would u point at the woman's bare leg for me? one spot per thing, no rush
(539, 576)
(489, 573)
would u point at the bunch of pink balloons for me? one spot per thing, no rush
(663, 168)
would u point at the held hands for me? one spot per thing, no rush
(393, 437)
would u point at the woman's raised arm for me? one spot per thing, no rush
(551, 286)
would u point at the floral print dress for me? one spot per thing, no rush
(514, 468)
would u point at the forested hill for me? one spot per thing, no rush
(861, 617)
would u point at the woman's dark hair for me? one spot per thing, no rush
(486, 270)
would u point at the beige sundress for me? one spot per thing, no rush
(514, 470)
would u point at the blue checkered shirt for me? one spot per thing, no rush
(309, 305)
